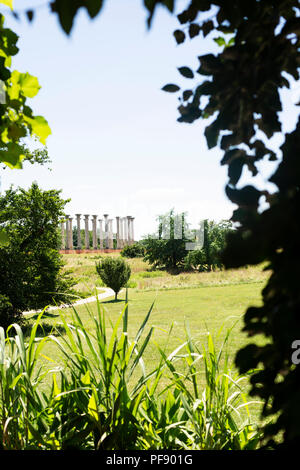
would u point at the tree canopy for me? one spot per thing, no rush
(30, 275)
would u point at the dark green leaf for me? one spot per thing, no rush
(187, 94)
(179, 36)
(194, 30)
(207, 27)
(186, 72)
(171, 88)
(30, 15)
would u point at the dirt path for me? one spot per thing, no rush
(108, 293)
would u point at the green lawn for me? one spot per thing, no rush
(205, 309)
(213, 309)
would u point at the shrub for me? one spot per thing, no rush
(114, 272)
(195, 260)
(137, 250)
(8, 313)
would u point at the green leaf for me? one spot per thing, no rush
(194, 30)
(40, 127)
(92, 407)
(93, 7)
(187, 94)
(179, 36)
(13, 90)
(212, 133)
(30, 15)
(29, 85)
(66, 10)
(56, 390)
(3, 237)
(12, 156)
(8, 3)
(220, 41)
(186, 72)
(171, 88)
(207, 27)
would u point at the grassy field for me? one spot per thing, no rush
(207, 302)
(82, 268)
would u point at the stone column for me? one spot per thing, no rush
(118, 233)
(67, 233)
(87, 235)
(125, 228)
(121, 233)
(132, 229)
(128, 221)
(63, 242)
(101, 234)
(106, 242)
(95, 232)
(78, 232)
(110, 235)
(70, 233)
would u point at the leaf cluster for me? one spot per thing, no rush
(17, 120)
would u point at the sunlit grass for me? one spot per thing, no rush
(211, 309)
(144, 278)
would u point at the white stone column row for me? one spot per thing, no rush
(124, 234)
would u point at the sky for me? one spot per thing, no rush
(116, 146)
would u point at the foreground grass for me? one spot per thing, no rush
(94, 401)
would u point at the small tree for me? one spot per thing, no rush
(167, 249)
(114, 272)
(30, 274)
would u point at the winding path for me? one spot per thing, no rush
(108, 293)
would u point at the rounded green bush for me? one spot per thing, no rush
(114, 272)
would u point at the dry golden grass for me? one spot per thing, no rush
(143, 278)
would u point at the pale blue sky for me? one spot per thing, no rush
(116, 146)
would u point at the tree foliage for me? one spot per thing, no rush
(17, 120)
(30, 275)
(210, 256)
(114, 272)
(166, 248)
(136, 250)
(242, 85)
